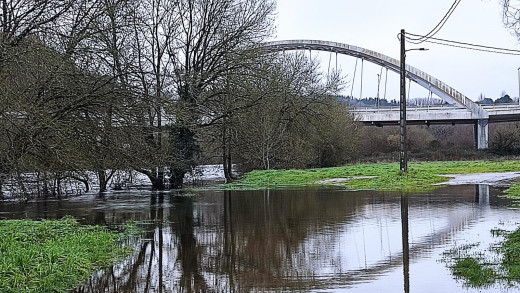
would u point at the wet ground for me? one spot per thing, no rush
(494, 179)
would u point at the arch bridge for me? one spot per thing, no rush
(466, 111)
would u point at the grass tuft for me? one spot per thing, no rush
(53, 256)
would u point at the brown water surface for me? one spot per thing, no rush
(308, 240)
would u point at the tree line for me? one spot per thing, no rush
(156, 86)
(161, 86)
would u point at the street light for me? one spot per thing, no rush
(518, 85)
(403, 153)
(378, 83)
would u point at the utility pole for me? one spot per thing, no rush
(403, 156)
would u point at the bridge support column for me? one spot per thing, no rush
(481, 134)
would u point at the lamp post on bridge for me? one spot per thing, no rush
(378, 83)
(403, 152)
(519, 85)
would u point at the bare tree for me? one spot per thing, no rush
(22, 18)
(288, 129)
(212, 36)
(154, 28)
(52, 112)
(511, 15)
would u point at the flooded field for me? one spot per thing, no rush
(308, 240)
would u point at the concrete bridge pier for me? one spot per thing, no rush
(481, 133)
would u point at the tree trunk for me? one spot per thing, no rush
(157, 181)
(156, 178)
(226, 159)
(82, 180)
(230, 163)
(58, 187)
(160, 177)
(177, 178)
(187, 152)
(226, 163)
(103, 182)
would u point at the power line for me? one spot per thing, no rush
(439, 26)
(429, 38)
(465, 45)
(475, 49)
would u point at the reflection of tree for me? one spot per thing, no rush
(188, 251)
(229, 241)
(254, 241)
(246, 241)
(143, 271)
(264, 236)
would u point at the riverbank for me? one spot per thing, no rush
(53, 256)
(382, 176)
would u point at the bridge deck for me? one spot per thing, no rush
(437, 115)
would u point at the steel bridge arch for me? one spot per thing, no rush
(425, 80)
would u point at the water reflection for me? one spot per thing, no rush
(406, 243)
(301, 240)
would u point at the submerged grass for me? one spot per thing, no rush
(483, 268)
(387, 176)
(53, 256)
(474, 271)
(513, 191)
(511, 261)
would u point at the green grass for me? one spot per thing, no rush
(387, 175)
(53, 256)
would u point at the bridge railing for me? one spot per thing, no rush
(409, 108)
(501, 106)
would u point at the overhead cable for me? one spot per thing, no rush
(439, 26)
(464, 45)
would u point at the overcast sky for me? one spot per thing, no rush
(374, 25)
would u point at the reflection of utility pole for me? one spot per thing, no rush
(406, 246)
(160, 215)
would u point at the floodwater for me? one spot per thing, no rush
(307, 240)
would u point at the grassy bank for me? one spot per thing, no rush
(53, 256)
(386, 176)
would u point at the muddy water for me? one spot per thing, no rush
(317, 240)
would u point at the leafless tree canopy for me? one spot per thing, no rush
(89, 87)
(511, 15)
